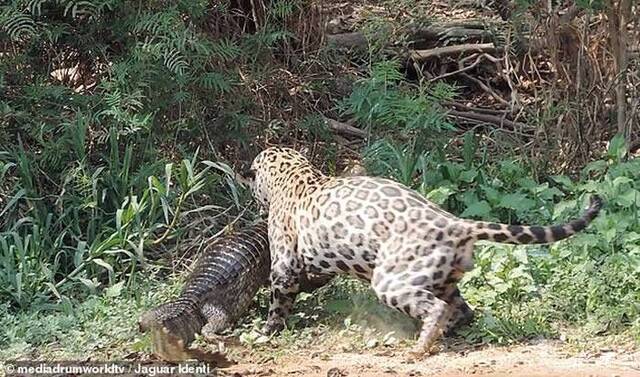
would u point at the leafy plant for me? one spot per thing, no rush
(103, 105)
(109, 214)
(385, 102)
(526, 291)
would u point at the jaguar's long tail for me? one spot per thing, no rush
(523, 234)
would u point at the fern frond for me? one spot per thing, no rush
(226, 49)
(216, 81)
(77, 8)
(166, 22)
(282, 9)
(181, 96)
(175, 61)
(16, 24)
(386, 73)
(35, 7)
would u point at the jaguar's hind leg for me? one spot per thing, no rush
(284, 289)
(461, 313)
(413, 294)
(285, 285)
(434, 316)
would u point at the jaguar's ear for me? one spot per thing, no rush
(250, 174)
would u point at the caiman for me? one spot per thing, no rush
(216, 294)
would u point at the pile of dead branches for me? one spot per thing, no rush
(561, 77)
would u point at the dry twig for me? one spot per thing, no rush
(487, 89)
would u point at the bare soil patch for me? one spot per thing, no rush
(542, 359)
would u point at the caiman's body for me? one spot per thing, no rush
(218, 291)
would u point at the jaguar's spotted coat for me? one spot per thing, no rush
(412, 252)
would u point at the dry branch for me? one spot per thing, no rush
(488, 118)
(344, 128)
(461, 69)
(487, 89)
(422, 55)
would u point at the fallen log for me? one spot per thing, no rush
(463, 107)
(422, 55)
(347, 40)
(447, 33)
(424, 37)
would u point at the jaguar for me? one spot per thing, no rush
(412, 252)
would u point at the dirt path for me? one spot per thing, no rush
(544, 359)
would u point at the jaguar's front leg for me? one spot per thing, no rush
(284, 290)
(285, 285)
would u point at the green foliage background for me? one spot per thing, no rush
(108, 171)
(98, 162)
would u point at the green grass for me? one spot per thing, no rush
(345, 313)
(101, 327)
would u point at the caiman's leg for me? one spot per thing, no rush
(217, 321)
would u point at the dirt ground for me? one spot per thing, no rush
(542, 359)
